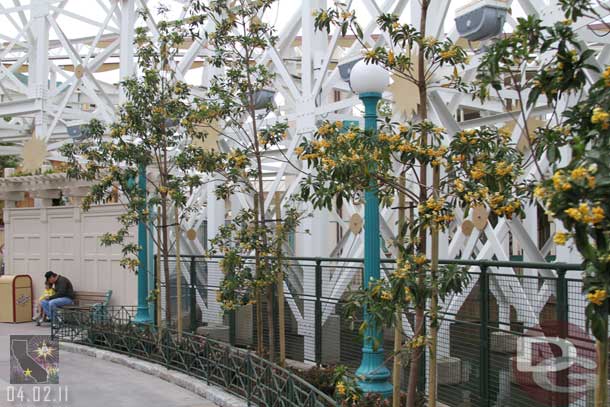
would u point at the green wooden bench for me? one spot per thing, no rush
(96, 302)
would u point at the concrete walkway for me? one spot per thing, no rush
(94, 382)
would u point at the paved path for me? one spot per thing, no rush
(93, 382)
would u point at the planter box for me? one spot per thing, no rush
(503, 342)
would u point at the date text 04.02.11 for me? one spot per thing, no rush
(34, 395)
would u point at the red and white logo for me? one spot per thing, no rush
(555, 363)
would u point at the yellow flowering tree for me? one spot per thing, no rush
(155, 119)
(387, 299)
(578, 194)
(414, 56)
(486, 170)
(238, 39)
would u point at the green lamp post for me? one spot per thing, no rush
(142, 314)
(369, 81)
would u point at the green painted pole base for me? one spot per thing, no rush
(142, 315)
(373, 376)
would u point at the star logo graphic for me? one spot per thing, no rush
(44, 351)
(27, 373)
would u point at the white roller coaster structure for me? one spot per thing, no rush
(56, 54)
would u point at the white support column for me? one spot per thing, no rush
(127, 46)
(316, 244)
(215, 218)
(38, 84)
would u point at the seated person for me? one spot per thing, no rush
(64, 294)
(48, 292)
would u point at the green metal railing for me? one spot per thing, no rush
(237, 371)
(480, 335)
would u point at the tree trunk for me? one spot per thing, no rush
(601, 384)
(416, 356)
(260, 345)
(397, 365)
(434, 300)
(178, 277)
(280, 285)
(165, 250)
(158, 276)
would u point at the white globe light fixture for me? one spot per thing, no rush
(368, 78)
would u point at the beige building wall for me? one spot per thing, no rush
(66, 240)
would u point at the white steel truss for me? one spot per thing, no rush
(54, 76)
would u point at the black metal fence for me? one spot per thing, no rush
(505, 304)
(240, 372)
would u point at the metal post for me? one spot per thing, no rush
(193, 297)
(562, 295)
(318, 313)
(232, 328)
(484, 339)
(142, 315)
(562, 319)
(373, 375)
(177, 235)
(158, 292)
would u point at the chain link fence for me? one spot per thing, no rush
(505, 305)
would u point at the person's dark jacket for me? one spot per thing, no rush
(63, 288)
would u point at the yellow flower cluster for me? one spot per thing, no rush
(597, 297)
(420, 259)
(478, 171)
(391, 58)
(560, 181)
(386, 295)
(320, 144)
(505, 133)
(450, 53)
(435, 205)
(508, 209)
(391, 139)
(328, 163)
(346, 15)
(458, 158)
(229, 305)
(432, 210)
(496, 199)
(408, 295)
(560, 238)
(606, 76)
(402, 271)
(476, 196)
(503, 168)
(429, 41)
(601, 117)
(324, 129)
(349, 136)
(586, 214)
(417, 342)
(581, 173)
(407, 147)
(340, 388)
(465, 135)
(458, 184)
(239, 158)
